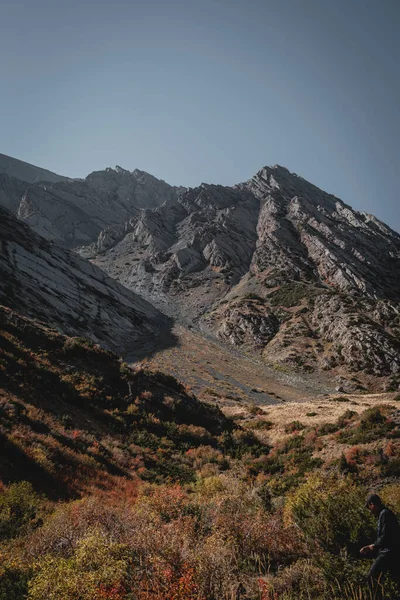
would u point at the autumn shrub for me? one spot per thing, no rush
(237, 514)
(194, 435)
(166, 501)
(293, 426)
(391, 468)
(206, 455)
(216, 567)
(373, 425)
(284, 541)
(289, 461)
(255, 410)
(14, 578)
(327, 428)
(209, 487)
(241, 442)
(330, 511)
(390, 494)
(167, 583)
(19, 506)
(69, 523)
(345, 418)
(99, 568)
(77, 344)
(302, 579)
(259, 424)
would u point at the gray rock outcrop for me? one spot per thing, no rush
(56, 286)
(74, 212)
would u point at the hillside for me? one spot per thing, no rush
(26, 172)
(74, 417)
(119, 484)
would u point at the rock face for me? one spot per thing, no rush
(46, 282)
(74, 212)
(186, 252)
(227, 256)
(305, 233)
(307, 327)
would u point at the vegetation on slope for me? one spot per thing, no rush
(120, 485)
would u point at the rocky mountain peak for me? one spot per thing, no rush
(75, 212)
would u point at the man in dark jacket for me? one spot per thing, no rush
(386, 548)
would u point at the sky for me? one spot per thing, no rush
(208, 91)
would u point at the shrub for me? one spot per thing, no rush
(294, 426)
(373, 425)
(300, 580)
(98, 569)
(327, 428)
(330, 511)
(259, 424)
(255, 410)
(18, 508)
(13, 582)
(391, 496)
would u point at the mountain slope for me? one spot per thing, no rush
(307, 233)
(27, 172)
(43, 281)
(74, 418)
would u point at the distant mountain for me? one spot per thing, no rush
(73, 212)
(277, 224)
(57, 287)
(26, 172)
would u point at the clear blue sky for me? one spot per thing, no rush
(208, 90)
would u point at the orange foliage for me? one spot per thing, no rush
(169, 584)
(266, 593)
(116, 592)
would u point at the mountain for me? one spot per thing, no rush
(43, 281)
(25, 172)
(73, 212)
(274, 266)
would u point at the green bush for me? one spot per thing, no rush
(330, 511)
(373, 426)
(294, 426)
(97, 565)
(18, 509)
(13, 583)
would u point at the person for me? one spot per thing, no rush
(386, 549)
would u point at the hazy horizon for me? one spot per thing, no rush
(208, 92)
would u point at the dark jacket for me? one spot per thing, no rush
(388, 532)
